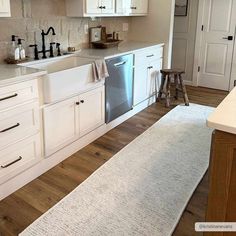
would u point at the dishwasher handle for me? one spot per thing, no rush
(120, 63)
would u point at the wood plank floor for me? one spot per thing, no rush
(20, 209)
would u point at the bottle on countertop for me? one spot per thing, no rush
(13, 52)
(21, 50)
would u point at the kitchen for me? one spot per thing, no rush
(64, 93)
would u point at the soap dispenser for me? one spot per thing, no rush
(13, 55)
(21, 50)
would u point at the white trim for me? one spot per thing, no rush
(188, 82)
(46, 164)
(198, 43)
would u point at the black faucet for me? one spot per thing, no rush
(43, 42)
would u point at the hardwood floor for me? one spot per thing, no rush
(20, 209)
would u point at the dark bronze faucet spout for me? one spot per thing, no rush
(43, 41)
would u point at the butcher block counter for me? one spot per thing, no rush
(222, 194)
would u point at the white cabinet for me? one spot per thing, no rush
(91, 110)
(132, 7)
(66, 121)
(148, 63)
(60, 126)
(5, 10)
(86, 8)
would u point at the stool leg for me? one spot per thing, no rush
(168, 91)
(184, 90)
(176, 87)
(163, 77)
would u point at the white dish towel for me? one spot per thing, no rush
(100, 70)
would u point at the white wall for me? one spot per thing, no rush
(156, 27)
(184, 40)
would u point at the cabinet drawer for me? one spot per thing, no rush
(18, 123)
(148, 55)
(19, 157)
(16, 94)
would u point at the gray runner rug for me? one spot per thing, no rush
(144, 189)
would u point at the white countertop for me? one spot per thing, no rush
(123, 48)
(12, 74)
(224, 117)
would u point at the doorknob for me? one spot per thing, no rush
(230, 38)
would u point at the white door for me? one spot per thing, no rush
(91, 110)
(93, 6)
(108, 6)
(123, 7)
(219, 23)
(60, 124)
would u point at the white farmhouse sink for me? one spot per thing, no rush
(66, 76)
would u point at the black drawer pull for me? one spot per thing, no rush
(12, 127)
(150, 67)
(12, 96)
(82, 101)
(151, 55)
(4, 167)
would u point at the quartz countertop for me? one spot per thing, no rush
(12, 74)
(123, 48)
(224, 117)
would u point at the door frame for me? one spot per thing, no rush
(198, 44)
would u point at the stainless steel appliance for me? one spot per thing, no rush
(119, 86)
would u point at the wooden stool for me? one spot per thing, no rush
(167, 74)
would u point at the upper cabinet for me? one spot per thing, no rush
(5, 10)
(90, 8)
(93, 8)
(132, 7)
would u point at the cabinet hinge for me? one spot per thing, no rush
(202, 27)
(199, 69)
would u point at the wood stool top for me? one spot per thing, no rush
(172, 71)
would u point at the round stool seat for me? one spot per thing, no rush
(172, 71)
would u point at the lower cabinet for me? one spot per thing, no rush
(18, 157)
(146, 80)
(66, 121)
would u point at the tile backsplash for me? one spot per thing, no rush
(29, 17)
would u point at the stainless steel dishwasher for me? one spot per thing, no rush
(119, 86)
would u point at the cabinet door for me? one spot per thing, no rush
(108, 6)
(91, 110)
(60, 125)
(154, 77)
(140, 84)
(93, 6)
(139, 6)
(123, 7)
(5, 8)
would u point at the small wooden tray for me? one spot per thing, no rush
(106, 44)
(11, 61)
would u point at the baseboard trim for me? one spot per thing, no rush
(47, 163)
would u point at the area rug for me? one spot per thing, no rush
(143, 189)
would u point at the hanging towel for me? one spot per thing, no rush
(100, 70)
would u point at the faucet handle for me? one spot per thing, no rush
(52, 43)
(58, 49)
(36, 52)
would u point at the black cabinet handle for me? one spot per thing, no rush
(7, 165)
(77, 103)
(12, 127)
(150, 67)
(133, 8)
(152, 55)
(103, 7)
(12, 96)
(82, 101)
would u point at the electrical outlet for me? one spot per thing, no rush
(125, 27)
(86, 27)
